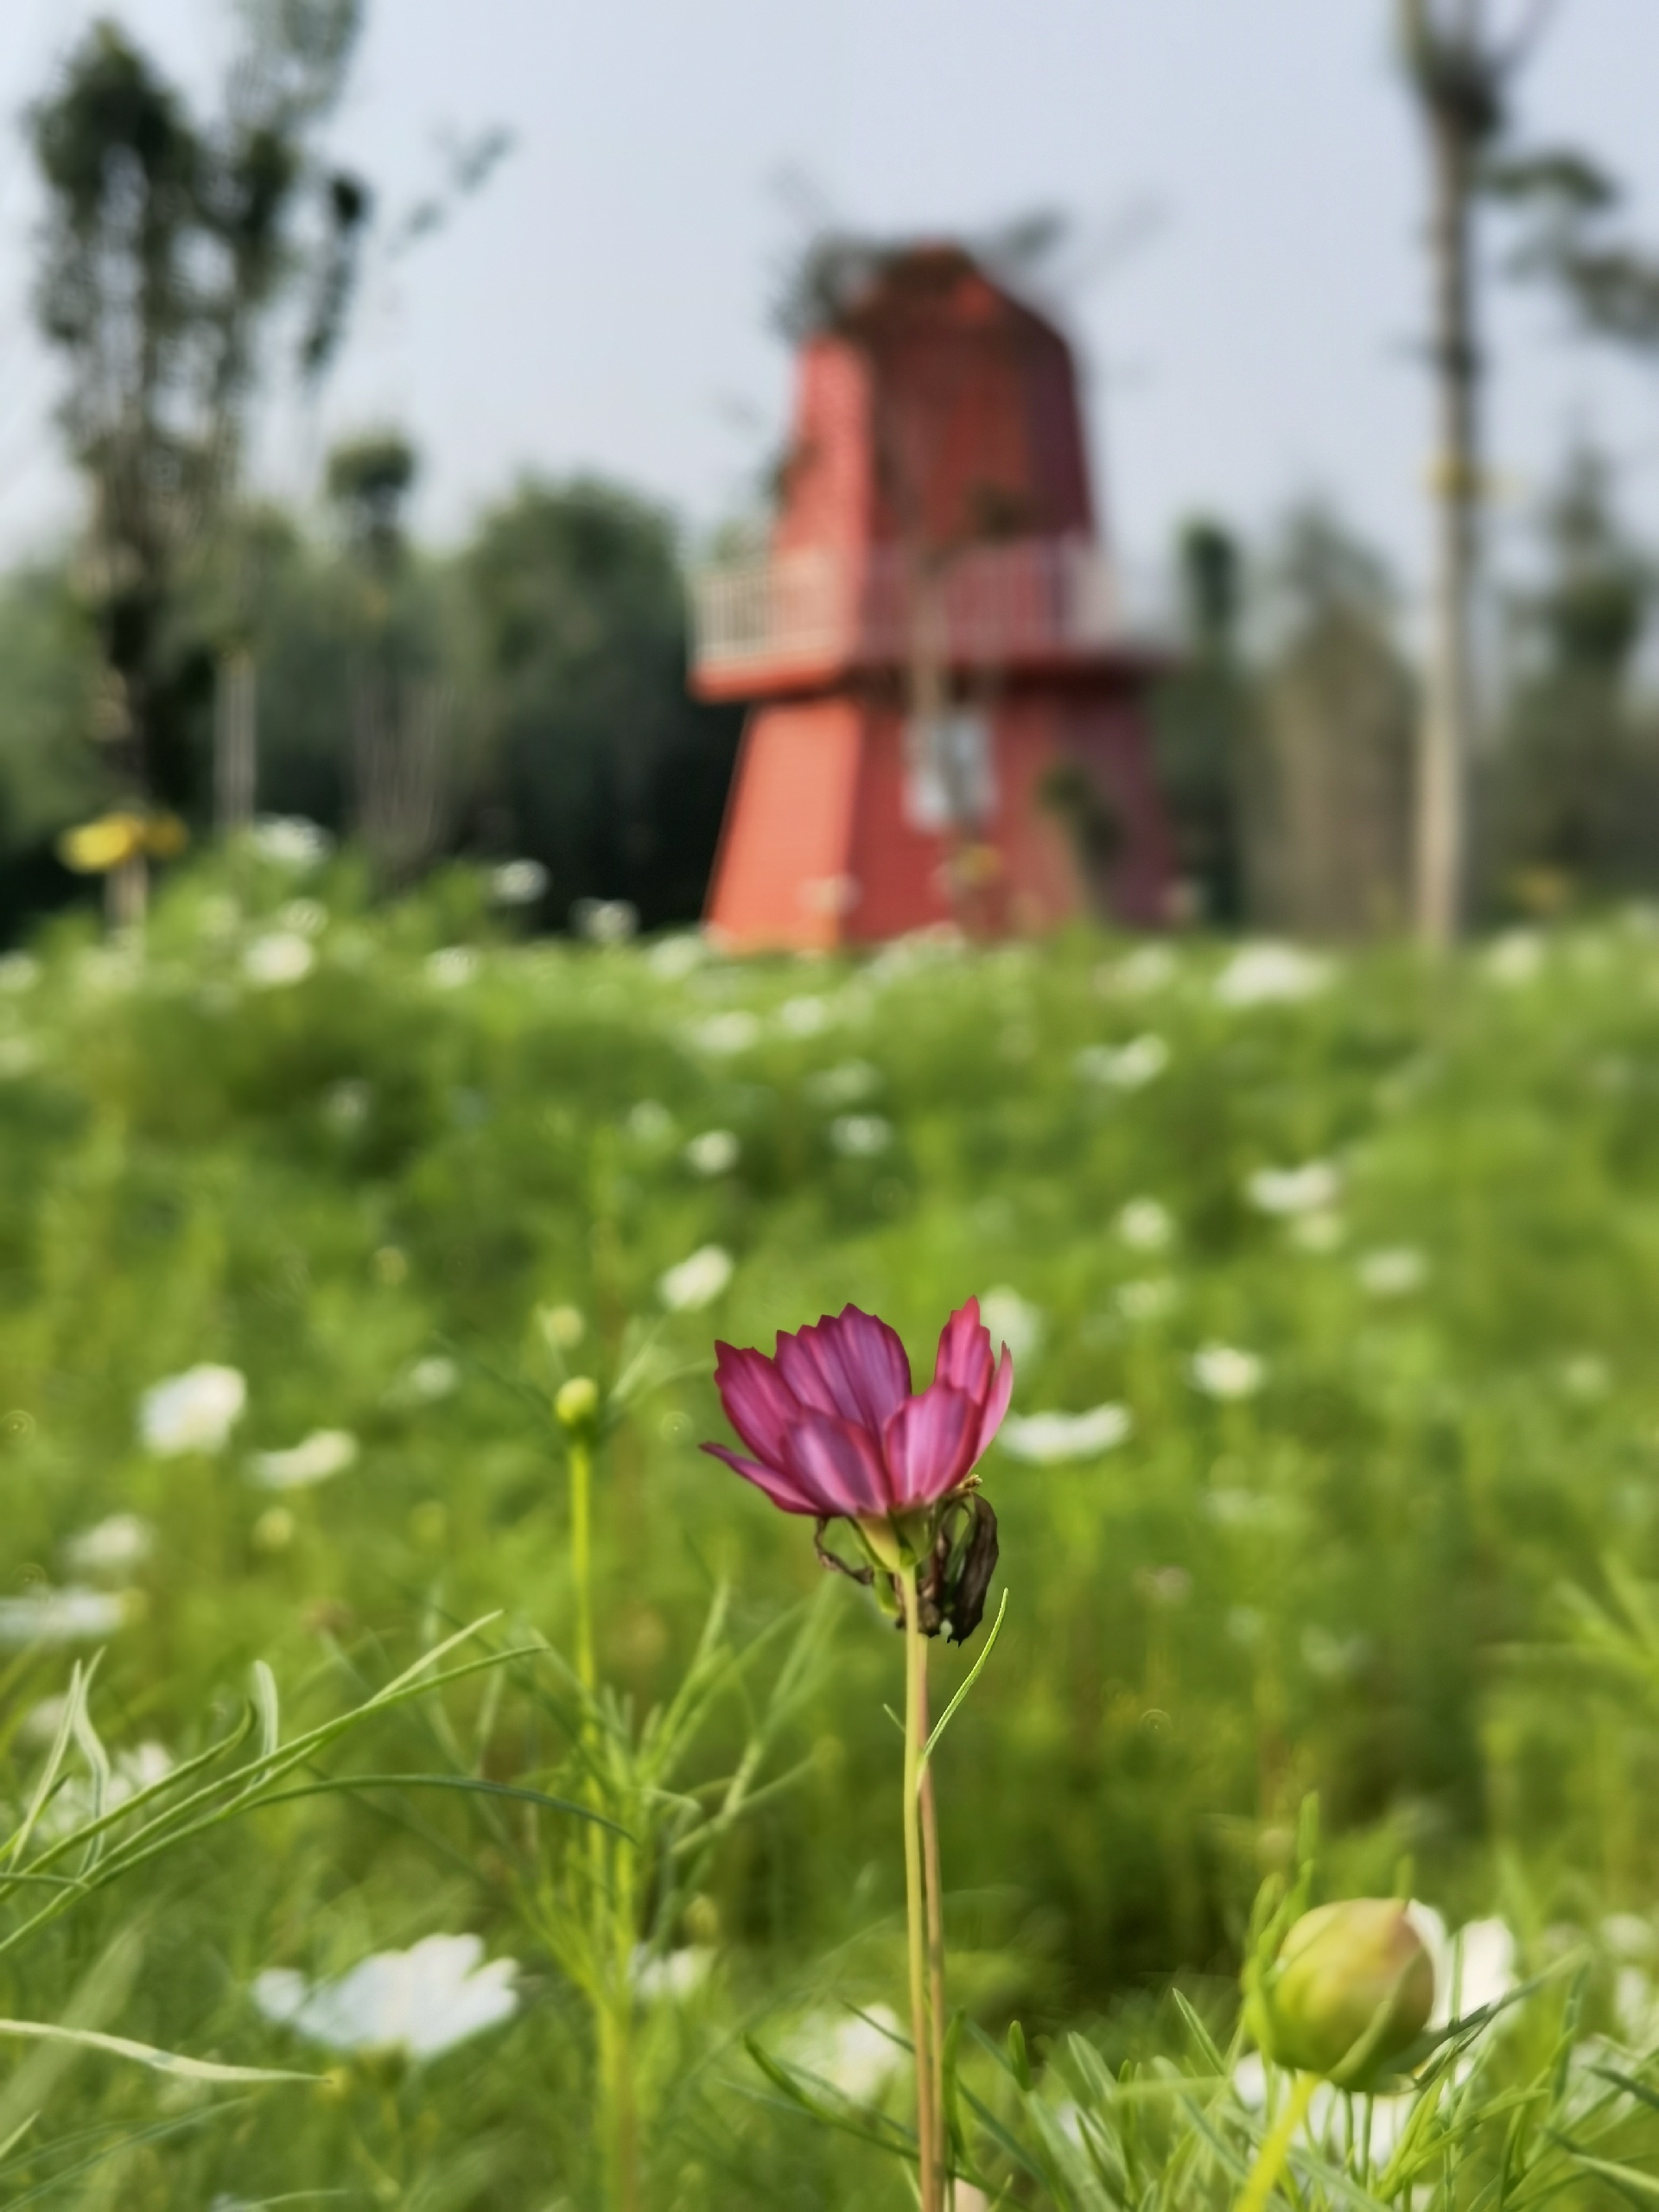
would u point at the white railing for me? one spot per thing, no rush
(1029, 598)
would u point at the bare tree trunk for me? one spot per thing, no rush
(1449, 704)
(235, 741)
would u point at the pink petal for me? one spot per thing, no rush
(837, 1462)
(760, 1404)
(777, 1487)
(996, 1404)
(852, 1364)
(964, 1360)
(930, 1444)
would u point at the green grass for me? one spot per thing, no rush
(1349, 1581)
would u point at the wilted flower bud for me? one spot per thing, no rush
(577, 1406)
(1352, 1989)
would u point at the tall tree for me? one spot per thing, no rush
(166, 246)
(1461, 71)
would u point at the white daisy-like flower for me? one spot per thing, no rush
(272, 963)
(1269, 974)
(305, 916)
(650, 1122)
(859, 1136)
(428, 1379)
(1145, 1226)
(673, 958)
(857, 2053)
(1394, 1272)
(606, 921)
(697, 1282)
(673, 1977)
(1285, 1190)
(289, 841)
(1515, 957)
(1223, 1371)
(452, 967)
(803, 1017)
(1013, 1321)
(325, 1453)
(421, 2002)
(1051, 1440)
(1149, 968)
(1148, 1300)
(116, 1546)
(71, 1615)
(19, 971)
(192, 1412)
(517, 883)
(716, 1152)
(1124, 1067)
(1322, 1230)
(724, 1034)
(847, 1084)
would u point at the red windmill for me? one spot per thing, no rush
(949, 721)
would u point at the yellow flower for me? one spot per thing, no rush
(116, 838)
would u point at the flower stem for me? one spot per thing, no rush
(1275, 2146)
(915, 1701)
(935, 1894)
(582, 1561)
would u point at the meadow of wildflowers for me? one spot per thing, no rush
(361, 1270)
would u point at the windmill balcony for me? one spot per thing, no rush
(809, 616)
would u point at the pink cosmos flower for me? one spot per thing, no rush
(833, 1425)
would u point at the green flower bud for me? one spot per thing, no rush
(1352, 1989)
(577, 1406)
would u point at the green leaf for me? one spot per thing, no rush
(144, 2054)
(950, 1713)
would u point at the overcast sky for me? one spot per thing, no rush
(602, 304)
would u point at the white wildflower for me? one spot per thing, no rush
(1515, 957)
(325, 1452)
(1127, 1067)
(857, 2053)
(71, 1615)
(289, 841)
(429, 1379)
(650, 1122)
(674, 1977)
(1322, 1230)
(1013, 1321)
(846, 1084)
(1315, 1185)
(803, 1017)
(282, 957)
(1145, 1226)
(859, 1136)
(111, 1546)
(139, 1768)
(1149, 968)
(305, 916)
(1394, 1272)
(716, 1152)
(605, 921)
(346, 1105)
(452, 967)
(673, 958)
(1148, 1300)
(697, 1282)
(19, 971)
(1269, 974)
(1050, 1440)
(723, 1035)
(517, 883)
(1223, 1372)
(563, 1327)
(192, 1412)
(421, 2001)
